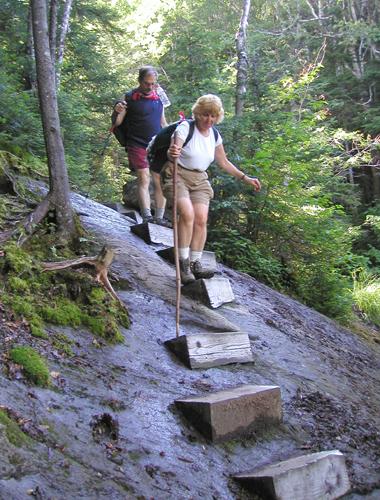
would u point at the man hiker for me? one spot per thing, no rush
(143, 112)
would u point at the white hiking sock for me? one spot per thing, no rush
(184, 253)
(195, 256)
(145, 212)
(159, 213)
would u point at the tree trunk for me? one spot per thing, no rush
(62, 39)
(59, 182)
(242, 62)
(53, 28)
(30, 73)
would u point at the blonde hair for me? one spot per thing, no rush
(209, 103)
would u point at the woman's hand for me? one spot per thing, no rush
(174, 151)
(253, 181)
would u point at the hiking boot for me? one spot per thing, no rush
(148, 218)
(186, 275)
(199, 271)
(161, 221)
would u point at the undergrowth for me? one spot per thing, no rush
(366, 294)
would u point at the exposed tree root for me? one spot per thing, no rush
(101, 262)
(25, 228)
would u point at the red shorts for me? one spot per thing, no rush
(137, 158)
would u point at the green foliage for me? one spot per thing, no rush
(293, 235)
(13, 432)
(366, 295)
(242, 254)
(34, 366)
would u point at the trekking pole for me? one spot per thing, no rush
(176, 253)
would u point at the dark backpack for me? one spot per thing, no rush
(158, 147)
(120, 132)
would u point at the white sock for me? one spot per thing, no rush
(159, 213)
(184, 253)
(145, 212)
(195, 256)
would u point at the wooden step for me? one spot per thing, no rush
(318, 476)
(132, 214)
(233, 413)
(126, 211)
(213, 292)
(208, 258)
(153, 233)
(205, 350)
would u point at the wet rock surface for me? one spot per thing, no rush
(142, 446)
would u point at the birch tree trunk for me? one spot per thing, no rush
(59, 182)
(53, 28)
(30, 73)
(242, 62)
(62, 38)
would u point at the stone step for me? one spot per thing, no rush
(208, 258)
(214, 292)
(153, 233)
(318, 476)
(233, 413)
(205, 350)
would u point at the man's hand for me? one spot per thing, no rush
(121, 106)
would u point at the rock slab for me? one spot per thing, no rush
(153, 233)
(318, 476)
(233, 413)
(214, 292)
(205, 350)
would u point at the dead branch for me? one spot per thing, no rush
(101, 262)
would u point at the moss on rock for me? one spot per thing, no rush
(13, 432)
(66, 297)
(34, 366)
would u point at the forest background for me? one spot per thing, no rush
(300, 87)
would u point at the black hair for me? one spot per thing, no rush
(146, 70)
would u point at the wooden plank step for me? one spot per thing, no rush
(208, 258)
(233, 413)
(205, 350)
(153, 233)
(213, 292)
(318, 476)
(126, 211)
(133, 214)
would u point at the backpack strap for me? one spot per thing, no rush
(191, 131)
(216, 133)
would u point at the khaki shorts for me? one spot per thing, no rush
(190, 184)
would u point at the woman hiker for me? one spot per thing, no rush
(194, 191)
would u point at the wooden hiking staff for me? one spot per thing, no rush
(175, 237)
